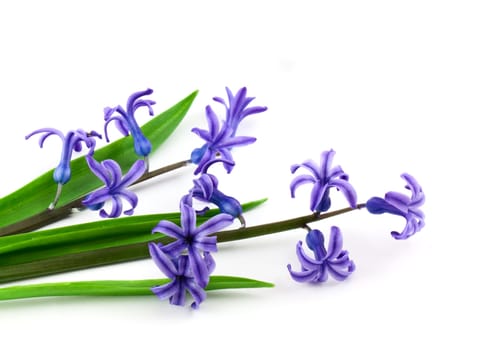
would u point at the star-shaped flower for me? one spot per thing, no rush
(115, 188)
(182, 279)
(218, 143)
(323, 178)
(194, 240)
(334, 262)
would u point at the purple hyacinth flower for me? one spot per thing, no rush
(400, 204)
(193, 239)
(218, 142)
(115, 188)
(237, 108)
(126, 122)
(182, 279)
(334, 261)
(72, 141)
(323, 179)
(205, 190)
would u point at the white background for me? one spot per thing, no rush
(392, 86)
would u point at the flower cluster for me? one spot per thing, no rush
(187, 261)
(184, 255)
(336, 261)
(108, 171)
(220, 139)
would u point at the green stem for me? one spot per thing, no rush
(130, 252)
(50, 216)
(117, 288)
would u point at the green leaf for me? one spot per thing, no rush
(39, 245)
(35, 197)
(116, 288)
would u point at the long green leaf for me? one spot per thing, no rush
(39, 245)
(34, 197)
(116, 288)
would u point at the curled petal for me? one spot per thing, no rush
(162, 260)
(188, 218)
(166, 291)
(303, 276)
(131, 198)
(116, 208)
(114, 170)
(347, 189)
(326, 159)
(305, 260)
(335, 243)
(198, 294)
(213, 122)
(198, 267)
(169, 228)
(132, 100)
(98, 170)
(135, 172)
(215, 224)
(204, 134)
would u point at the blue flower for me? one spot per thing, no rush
(323, 179)
(205, 190)
(218, 142)
(193, 239)
(115, 186)
(237, 108)
(399, 204)
(182, 279)
(126, 122)
(72, 141)
(334, 262)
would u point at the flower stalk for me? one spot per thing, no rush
(137, 251)
(58, 213)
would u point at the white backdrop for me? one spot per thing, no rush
(391, 86)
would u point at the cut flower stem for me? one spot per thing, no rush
(58, 213)
(135, 251)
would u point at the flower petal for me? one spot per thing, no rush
(166, 291)
(169, 229)
(198, 267)
(305, 260)
(214, 224)
(188, 219)
(298, 181)
(135, 172)
(162, 260)
(303, 276)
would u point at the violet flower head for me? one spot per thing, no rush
(178, 269)
(72, 141)
(205, 190)
(400, 204)
(115, 188)
(218, 143)
(323, 178)
(192, 239)
(237, 108)
(126, 122)
(334, 261)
